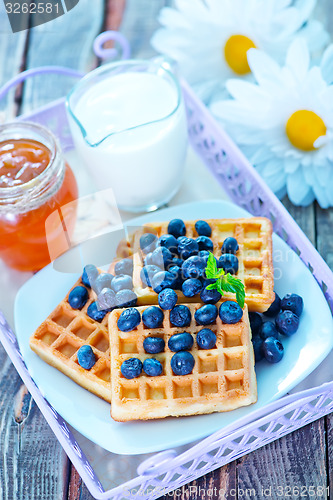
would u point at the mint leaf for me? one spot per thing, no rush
(212, 286)
(234, 285)
(211, 268)
(224, 282)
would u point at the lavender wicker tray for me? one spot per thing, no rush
(167, 470)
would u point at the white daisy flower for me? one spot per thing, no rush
(284, 123)
(210, 38)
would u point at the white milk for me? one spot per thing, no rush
(143, 159)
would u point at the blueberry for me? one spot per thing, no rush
(257, 348)
(152, 317)
(129, 319)
(206, 339)
(131, 368)
(182, 363)
(176, 261)
(177, 228)
(274, 308)
(292, 302)
(148, 259)
(102, 281)
(230, 245)
(161, 257)
(168, 241)
(78, 297)
(152, 367)
(147, 273)
(126, 298)
(229, 263)
(206, 315)
(191, 287)
(287, 322)
(255, 322)
(203, 228)
(210, 296)
(90, 273)
(86, 357)
(95, 313)
(124, 266)
(177, 278)
(272, 350)
(122, 282)
(204, 254)
(167, 298)
(194, 267)
(187, 248)
(230, 312)
(148, 242)
(180, 342)
(180, 316)
(106, 299)
(268, 329)
(205, 243)
(162, 280)
(153, 345)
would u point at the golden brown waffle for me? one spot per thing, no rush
(254, 236)
(223, 378)
(61, 335)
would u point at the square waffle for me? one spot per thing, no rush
(254, 236)
(223, 378)
(61, 335)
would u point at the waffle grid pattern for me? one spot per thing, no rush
(222, 379)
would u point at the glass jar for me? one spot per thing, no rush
(26, 201)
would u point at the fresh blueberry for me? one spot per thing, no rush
(292, 302)
(230, 245)
(161, 257)
(147, 273)
(182, 363)
(257, 348)
(180, 316)
(177, 280)
(153, 345)
(210, 296)
(287, 322)
(204, 254)
(229, 263)
(131, 368)
(194, 267)
(78, 297)
(180, 342)
(152, 317)
(176, 261)
(205, 243)
(167, 298)
(121, 282)
(124, 266)
(106, 299)
(126, 298)
(102, 281)
(230, 312)
(191, 287)
(168, 241)
(148, 242)
(148, 259)
(177, 228)
(90, 273)
(187, 248)
(86, 357)
(255, 322)
(272, 350)
(95, 313)
(206, 339)
(268, 329)
(129, 319)
(152, 367)
(206, 315)
(274, 308)
(162, 280)
(203, 228)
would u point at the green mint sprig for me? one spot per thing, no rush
(224, 282)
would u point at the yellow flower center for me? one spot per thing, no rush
(303, 128)
(235, 53)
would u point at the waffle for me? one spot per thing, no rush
(223, 378)
(254, 236)
(61, 335)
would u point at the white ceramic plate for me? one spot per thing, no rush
(91, 416)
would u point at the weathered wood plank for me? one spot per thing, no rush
(324, 225)
(305, 218)
(77, 489)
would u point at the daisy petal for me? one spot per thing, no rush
(264, 68)
(326, 65)
(298, 58)
(299, 192)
